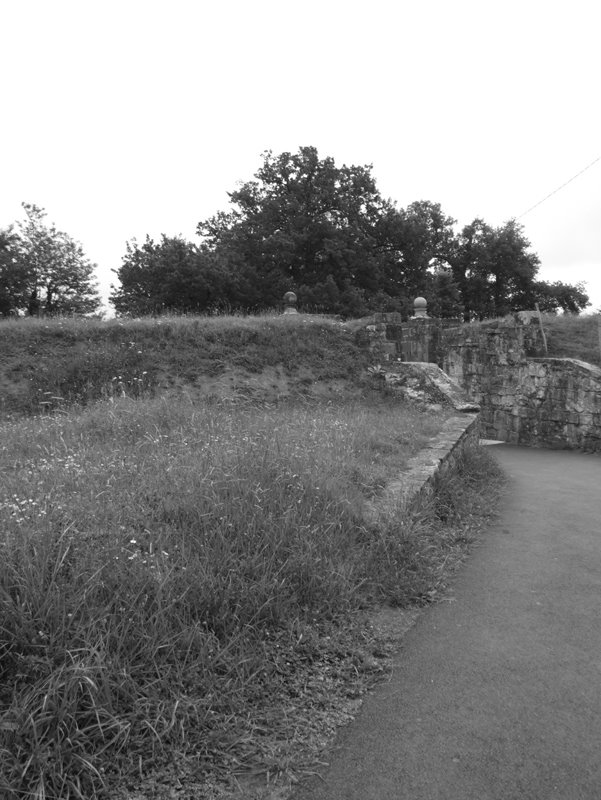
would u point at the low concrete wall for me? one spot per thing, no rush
(427, 468)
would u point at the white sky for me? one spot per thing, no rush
(126, 118)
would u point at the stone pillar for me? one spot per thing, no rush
(418, 333)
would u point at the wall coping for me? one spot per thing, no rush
(584, 366)
(425, 470)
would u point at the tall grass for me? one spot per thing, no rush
(151, 553)
(54, 363)
(574, 336)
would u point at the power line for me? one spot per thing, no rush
(573, 178)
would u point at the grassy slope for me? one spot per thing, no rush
(574, 337)
(45, 364)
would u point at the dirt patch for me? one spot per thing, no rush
(269, 385)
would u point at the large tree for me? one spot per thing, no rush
(412, 244)
(513, 269)
(470, 268)
(305, 223)
(494, 269)
(46, 271)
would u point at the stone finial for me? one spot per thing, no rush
(290, 300)
(420, 308)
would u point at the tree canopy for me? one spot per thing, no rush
(325, 232)
(303, 223)
(43, 270)
(171, 275)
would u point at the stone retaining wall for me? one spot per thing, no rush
(487, 344)
(525, 398)
(545, 402)
(551, 402)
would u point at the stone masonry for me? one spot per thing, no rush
(525, 398)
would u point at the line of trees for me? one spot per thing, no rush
(325, 232)
(301, 224)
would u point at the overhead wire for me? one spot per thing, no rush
(573, 178)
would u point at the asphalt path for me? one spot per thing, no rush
(496, 692)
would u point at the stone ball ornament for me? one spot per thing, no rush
(290, 303)
(420, 307)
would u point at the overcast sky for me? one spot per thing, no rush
(127, 118)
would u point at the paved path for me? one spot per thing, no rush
(496, 694)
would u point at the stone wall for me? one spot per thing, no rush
(499, 341)
(525, 398)
(417, 339)
(382, 336)
(423, 338)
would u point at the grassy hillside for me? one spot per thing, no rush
(574, 337)
(49, 364)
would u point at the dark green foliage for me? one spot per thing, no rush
(170, 275)
(493, 269)
(495, 272)
(444, 296)
(552, 297)
(304, 222)
(43, 270)
(13, 274)
(325, 232)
